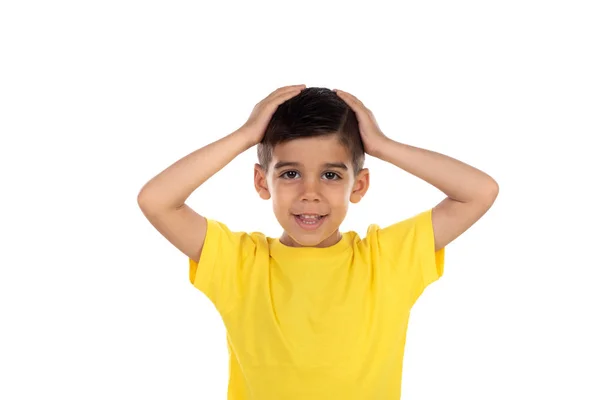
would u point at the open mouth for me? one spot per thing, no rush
(309, 221)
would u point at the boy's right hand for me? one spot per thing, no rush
(263, 112)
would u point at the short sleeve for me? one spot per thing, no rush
(218, 272)
(408, 247)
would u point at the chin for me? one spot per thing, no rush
(307, 235)
(310, 238)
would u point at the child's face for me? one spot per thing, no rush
(311, 176)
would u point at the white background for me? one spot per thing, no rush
(96, 98)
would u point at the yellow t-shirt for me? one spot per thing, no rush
(317, 323)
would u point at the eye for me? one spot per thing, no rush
(331, 176)
(289, 174)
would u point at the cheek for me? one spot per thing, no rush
(282, 195)
(338, 196)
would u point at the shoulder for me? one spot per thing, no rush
(412, 222)
(224, 235)
(397, 233)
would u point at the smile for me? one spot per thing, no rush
(309, 221)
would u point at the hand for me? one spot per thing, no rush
(372, 137)
(263, 111)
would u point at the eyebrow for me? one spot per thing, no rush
(281, 164)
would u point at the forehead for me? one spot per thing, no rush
(312, 151)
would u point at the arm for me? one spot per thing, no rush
(470, 192)
(170, 189)
(162, 199)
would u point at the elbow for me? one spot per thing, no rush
(151, 203)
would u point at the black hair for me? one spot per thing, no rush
(313, 112)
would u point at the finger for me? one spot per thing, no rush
(350, 100)
(351, 97)
(355, 104)
(285, 90)
(290, 90)
(277, 98)
(280, 98)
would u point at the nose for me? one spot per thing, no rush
(310, 190)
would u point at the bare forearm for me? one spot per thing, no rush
(456, 179)
(172, 187)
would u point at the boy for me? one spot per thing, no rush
(315, 314)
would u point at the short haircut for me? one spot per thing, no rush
(314, 112)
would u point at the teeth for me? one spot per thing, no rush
(305, 216)
(309, 219)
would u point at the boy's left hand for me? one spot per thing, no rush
(372, 137)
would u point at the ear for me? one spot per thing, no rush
(260, 182)
(361, 184)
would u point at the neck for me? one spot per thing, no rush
(327, 242)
